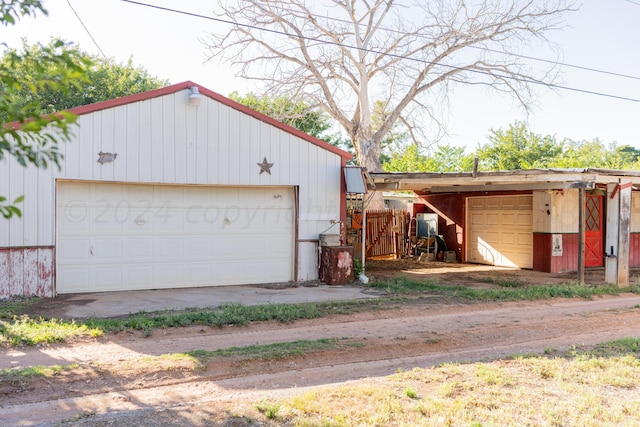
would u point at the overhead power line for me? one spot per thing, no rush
(548, 61)
(328, 42)
(86, 29)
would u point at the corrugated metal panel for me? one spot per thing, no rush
(163, 140)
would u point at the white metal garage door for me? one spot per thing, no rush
(500, 230)
(113, 237)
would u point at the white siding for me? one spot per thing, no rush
(164, 140)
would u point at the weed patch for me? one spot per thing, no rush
(24, 330)
(513, 291)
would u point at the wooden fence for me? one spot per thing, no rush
(386, 233)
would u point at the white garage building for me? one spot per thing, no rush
(176, 187)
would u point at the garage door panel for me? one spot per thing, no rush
(500, 230)
(74, 250)
(108, 278)
(506, 220)
(152, 236)
(525, 240)
(525, 220)
(139, 249)
(168, 248)
(76, 279)
(138, 276)
(199, 273)
(198, 247)
(106, 248)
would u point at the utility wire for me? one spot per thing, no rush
(86, 29)
(507, 77)
(548, 61)
(634, 2)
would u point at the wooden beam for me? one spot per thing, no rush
(624, 230)
(509, 187)
(611, 238)
(581, 234)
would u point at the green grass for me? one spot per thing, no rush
(514, 282)
(15, 307)
(25, 330)
(233, 314)
(20, 374)
(596, 387)
(279, 350)
(17, 329)
(404, 285)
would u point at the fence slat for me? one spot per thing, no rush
(381, 238)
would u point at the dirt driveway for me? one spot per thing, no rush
(116, 384)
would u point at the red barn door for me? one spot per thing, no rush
(594, 241)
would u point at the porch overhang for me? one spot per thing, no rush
(423, 183)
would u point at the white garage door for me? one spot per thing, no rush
(113, 237)
(500, 230)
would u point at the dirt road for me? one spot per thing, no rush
(115, 386)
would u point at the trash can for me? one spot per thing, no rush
(336, 265)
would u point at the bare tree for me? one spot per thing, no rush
(343, 56)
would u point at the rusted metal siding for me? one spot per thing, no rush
(26, 271)
(164, 140)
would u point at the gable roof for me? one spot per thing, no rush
(142, 96)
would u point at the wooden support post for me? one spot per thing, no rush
(624, 230)
(581, 234)
(611, 241)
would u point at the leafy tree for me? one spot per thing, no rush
(594, 154)
(517, 148)
(445, 158)
(32, 138)
(410, 159)
(339, 55)
(103, 79)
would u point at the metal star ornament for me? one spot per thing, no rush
(265, 166)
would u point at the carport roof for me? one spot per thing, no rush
(519, 180)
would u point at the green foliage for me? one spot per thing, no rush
(279, 350)
(594, 154)
(297, 114)
(517, 148)
(101, 79)
(18, 374)
(39, 82)
(25, 330)
(445, 158)
(32, 138)
(7, 211)
(232, 314)
(12, 10)
(269, 409)
(521, 292)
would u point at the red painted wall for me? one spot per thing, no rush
(451, 217)
(543, 260)
(634, 250)
(26, 271)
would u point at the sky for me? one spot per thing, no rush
(602, 35)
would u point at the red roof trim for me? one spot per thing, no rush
(86, 109)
